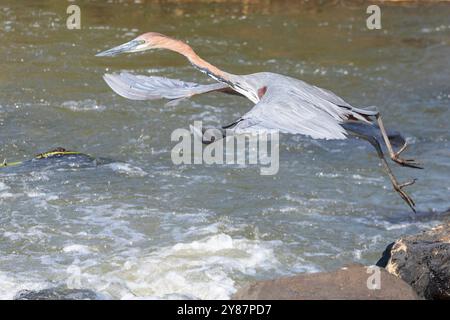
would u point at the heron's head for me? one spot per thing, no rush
(146, 41)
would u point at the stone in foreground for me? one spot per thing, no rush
(57, 293)
(347, 283)
(423, 260)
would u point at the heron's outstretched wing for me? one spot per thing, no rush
(287, 111)
(138, 87)
(329, 96)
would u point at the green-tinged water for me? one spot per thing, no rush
(140, 226)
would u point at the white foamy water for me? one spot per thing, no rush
(208, 268)
(84, 105)
(3, 186)
(127, 169)
(10, 285)
(77, 248)
(202, 269)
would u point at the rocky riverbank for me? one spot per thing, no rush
(423, 261)
(413, 267)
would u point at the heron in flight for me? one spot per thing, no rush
(282, 103)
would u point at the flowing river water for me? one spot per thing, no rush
(139, 226)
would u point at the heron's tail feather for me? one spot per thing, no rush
(396, 138)
(138, 87)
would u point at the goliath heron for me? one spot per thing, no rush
(282, 103)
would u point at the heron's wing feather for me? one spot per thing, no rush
(288, 111)
(139, 87)
(311, 92)
(335, 99)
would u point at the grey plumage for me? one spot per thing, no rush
(289, 105)
(138, 87)
(293, 106)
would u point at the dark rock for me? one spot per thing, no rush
(385, 256)
(423, 261)
(446, 215)
(346, 283)
(57, 293)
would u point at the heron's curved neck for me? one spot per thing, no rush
(195, 60)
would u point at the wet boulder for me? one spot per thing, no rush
(57, 293)
(423, 261)
(351, 282)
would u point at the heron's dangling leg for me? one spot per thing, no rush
(395, 155)
(397, 186)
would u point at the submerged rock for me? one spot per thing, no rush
(347, 283)
(423, 261)
(57, 293)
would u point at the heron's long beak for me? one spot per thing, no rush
(130, 46)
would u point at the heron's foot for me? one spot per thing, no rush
(411, 163)
(405, 162)
(404, 195)
(403, 148)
